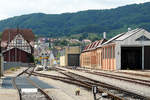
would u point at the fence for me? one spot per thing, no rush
(8, 65)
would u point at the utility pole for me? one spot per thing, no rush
(2, 65)
(9, 47)
(15, 49)
(21, 48)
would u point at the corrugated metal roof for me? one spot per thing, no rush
(128, 34)
(110, 40)
(118, 37)
(123, 36)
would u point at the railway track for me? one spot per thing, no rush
(118, 77)
(123, 78)
(135, 74)
(40, 94)
(129, 73)
(114, 93)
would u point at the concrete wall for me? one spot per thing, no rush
(62, 61)
(118, 56)
(69, 50)
(73, 50)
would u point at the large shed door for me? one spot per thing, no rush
(73, 59)
(147, 57)
(131, 57)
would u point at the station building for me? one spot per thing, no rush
(128, 50)
(17, 45)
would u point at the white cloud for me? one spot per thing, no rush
(10, 8)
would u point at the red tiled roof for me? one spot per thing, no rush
(26, 33)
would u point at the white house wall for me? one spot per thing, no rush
(23, 46)
(131, 41)
(118, 56)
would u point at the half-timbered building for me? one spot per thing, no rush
(17, 45)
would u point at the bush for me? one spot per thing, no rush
(12, 69)
(17, 67)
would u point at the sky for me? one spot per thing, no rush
(10, 8)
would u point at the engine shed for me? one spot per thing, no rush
(132, 49)
(127, 50)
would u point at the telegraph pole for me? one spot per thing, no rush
(16, 45)
(9, 47)
(21, 47)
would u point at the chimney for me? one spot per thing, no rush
(104, 35)
(129, 29)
